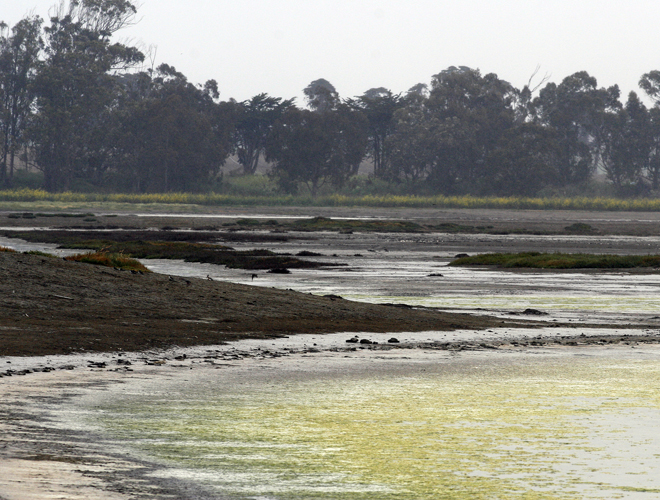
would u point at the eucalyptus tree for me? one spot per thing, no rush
(577, 110)
(627, 145)
(316, 148)
(445, 135)
(20, 48)
(321, 96)
(254, 121)
(378, 105)
(169, 134)
(76, 85)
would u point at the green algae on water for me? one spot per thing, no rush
(505, 431)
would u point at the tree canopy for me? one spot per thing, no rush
(82, 109)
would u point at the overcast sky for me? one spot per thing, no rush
(280, 46)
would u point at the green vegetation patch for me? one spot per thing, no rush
(116, 260)
(153, 200)
(558, 261)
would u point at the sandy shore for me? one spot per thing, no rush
(44, 454)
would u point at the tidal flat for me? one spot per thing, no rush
(566, 409)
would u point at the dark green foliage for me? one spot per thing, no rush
(316, 148)
(254, 121)
(73, 107)
(19, 53)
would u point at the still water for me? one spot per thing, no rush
(549, 425)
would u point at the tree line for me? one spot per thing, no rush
(77, 105)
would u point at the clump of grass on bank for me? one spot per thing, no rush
(116, 260)
(559, 261)
(7, 249)
(333, 200)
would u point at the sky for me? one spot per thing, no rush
(280, 46)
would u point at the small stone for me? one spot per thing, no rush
(393, 340)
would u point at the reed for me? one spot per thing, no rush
(268, 199)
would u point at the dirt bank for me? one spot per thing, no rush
(52, 306)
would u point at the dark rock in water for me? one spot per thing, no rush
(393, 340)
(461, 256)
(96, 364)
(279, 270)
(435, 275)
(124, 362)
(366, 341)
(354, 340)
(534, 312)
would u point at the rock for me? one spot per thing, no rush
(393, 340)
(461, 256)
(534, 312)
(279, 270)
(435, 275)
(354, 340)
(366, 341)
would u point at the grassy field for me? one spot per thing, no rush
(559, 261)
(14, 199)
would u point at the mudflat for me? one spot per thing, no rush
(52, 306)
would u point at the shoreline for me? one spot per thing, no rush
(40, 453)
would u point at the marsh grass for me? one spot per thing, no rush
(7, 249)
(116, 260)
(255, 194)
(559, 261)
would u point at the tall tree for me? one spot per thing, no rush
(523, 162)
(170, 135)
(321, 96)
(446, 135)
(255, 119)
(628, 142)
(19, 58)
(76, 86)
(378, 105)
(316, 148)
(577, 110)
